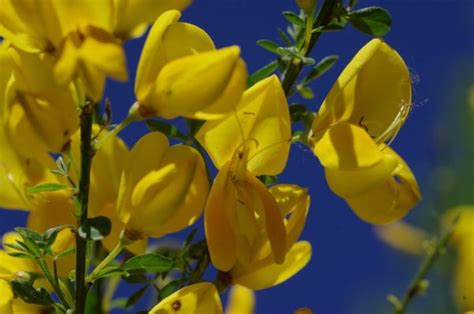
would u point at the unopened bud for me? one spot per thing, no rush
(306, 5)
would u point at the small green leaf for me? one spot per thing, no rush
(322, 67)
(15, 246)
(262, 73)
(268, 45)
(374, 21)
(165, 128)
(294, 19)
(66, 253)
(110, 271)
(49, 236)
(96, 228)
(169, 288)
(46, 187)
(284, 37)
(21, 255)
(30, 294)
(152, 263)
(136, 296)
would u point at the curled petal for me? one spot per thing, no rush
(363, 89)
(267, 274)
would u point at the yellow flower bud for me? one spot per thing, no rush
(181, 74)
(306, 5)
(163, 194)
(197, 298)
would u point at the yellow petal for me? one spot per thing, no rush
(267, 274)
(347, 147)
(464, 228)
(273, 220)
(196, 298)
(403, 237)
(6, 298)
(342, 182)
(241, 301)
(206, 85)
(364, 94)
(133, 16)
(390, 201)
(220, 238)
(76, 15)
(464, 276)
(168, 40)
(263, 107)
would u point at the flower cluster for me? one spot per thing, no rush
(55, 57)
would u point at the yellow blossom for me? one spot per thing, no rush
(181, 74)
(254, 140)
(364, 109)
(197, 298)
(241, 301)
(163, 194)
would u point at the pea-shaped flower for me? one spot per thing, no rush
(365, 108)
(254, 140)
(38, 115)
(197, 298)
(163, 189)
(263, 272)
(181, 74)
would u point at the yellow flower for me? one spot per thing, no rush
(403, 237)
(106, 170)
(263, 272)
(37, 114)
(255, 140)
(132, 17)
(364, 109)
(463, 241)
(181, 74)
(163, 194)
(241, 301)
(78, 34)
(197, 298)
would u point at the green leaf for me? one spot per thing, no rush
(322, 67)
(110, 271)
(374, 21)
(284, 37)
(262, 73)
(30, 294)
(96, 228)
(136, 296)
(66, 253)
(268, 45)
(21, 255)
(165, 128)
(169, 288)
(294, 19)
(49, 236)
(15, 246)
(152, 263)
(46, 187)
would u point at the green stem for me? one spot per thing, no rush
(53, 281)
(106, 261)
(296, 65)
(118, 128)
(416, 284)
(87, 153)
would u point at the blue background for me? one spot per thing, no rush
(351, 270)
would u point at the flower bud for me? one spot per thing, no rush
(181, 74)
(306, 5)
(163, 194)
